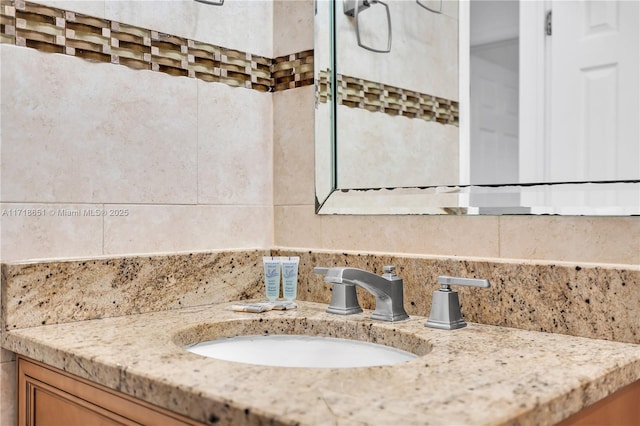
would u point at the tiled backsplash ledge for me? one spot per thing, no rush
(580, 300)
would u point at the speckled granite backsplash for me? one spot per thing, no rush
(63, 291)
(588, 301)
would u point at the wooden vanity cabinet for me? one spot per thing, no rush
(621, 408)
(48, 396)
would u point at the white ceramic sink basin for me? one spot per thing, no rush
(300, 351)
(302, 342)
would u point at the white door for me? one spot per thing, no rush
(494, 123)
(593, 107)
(494, 131)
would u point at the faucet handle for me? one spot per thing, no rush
(445, 281)
(445, 304)
(320, 270)
(390, 273)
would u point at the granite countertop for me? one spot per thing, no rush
(476, 375)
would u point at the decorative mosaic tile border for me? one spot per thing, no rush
(356, 92)
(54, 30)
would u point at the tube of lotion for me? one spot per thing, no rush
(272, 277)
(290, 276)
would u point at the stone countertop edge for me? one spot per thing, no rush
(480, 374)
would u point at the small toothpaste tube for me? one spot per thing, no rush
(290, 276)
(271, 277)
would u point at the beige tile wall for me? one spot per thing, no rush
(76, 131)
(232, 126)
(177, 228)
(292, 26)
(95, 8)
(182, 162)
(51, 235)
(386, 165)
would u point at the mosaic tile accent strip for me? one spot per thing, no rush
(323, 87)
(356, 92)
(130, 46)
(7, 23)
(293, 71)
(54, 30)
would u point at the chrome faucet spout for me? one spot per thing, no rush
(387, 289)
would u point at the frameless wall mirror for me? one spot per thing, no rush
(477, 107)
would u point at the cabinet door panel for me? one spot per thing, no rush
(51, 409)
(51, 397)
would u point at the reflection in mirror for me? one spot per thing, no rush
(324, 41)
(489, 107)
(400, 106)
